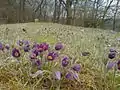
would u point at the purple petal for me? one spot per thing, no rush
(113, 50)
(111, 55)
(58, 46)
(26, 43)
(1, 46)
(75, 76)
(76, 67)
(110, 65)
(65, 61)
(118, 64)
(58, 75)
(69, 75)
(7, 46)
(20, 42)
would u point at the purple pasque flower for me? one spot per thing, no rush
(37, 62)
(45, 46)
(65, 61)
(20, 42)
(112, 50)
(58, 46)
(35, 51)
(33, 56)
(58, 75)
(118, 64)
(69, 75)
(110, 65)
(111, 55)
(26, 43)
(42, 47)
(35, 45)
(26, 48)
(76, 67)
(39, 48)
(15, 53)
(7, 46)
(75, 76)
(1, 46)
(52, 56)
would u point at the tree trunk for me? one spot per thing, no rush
(19, 19)
(74, 12)
(85, 13)
(59, 11)
(21, 11)
(114, 19)
(69, 12)
(93, 10)
(39, 7)
(55, 12)
(95, 16)
(105, 12)
(45, 12)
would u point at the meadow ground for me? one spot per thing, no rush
(77, 40)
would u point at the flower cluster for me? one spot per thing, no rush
(4, 47)
(41, 55)
(113, 63)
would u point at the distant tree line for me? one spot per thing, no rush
(86, 13)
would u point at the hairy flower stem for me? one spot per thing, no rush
(105, 77)
(113, 80)
(58, 87)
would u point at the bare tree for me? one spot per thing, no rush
(74, 11)
(59, 11)
(21, 10)
(105, 12)
(85, 12)
(116, 10)
(88, 13)
(45, 10)
(39, 7)
(69, 11)
(55, 11)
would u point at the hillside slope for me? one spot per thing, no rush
(77, 40)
